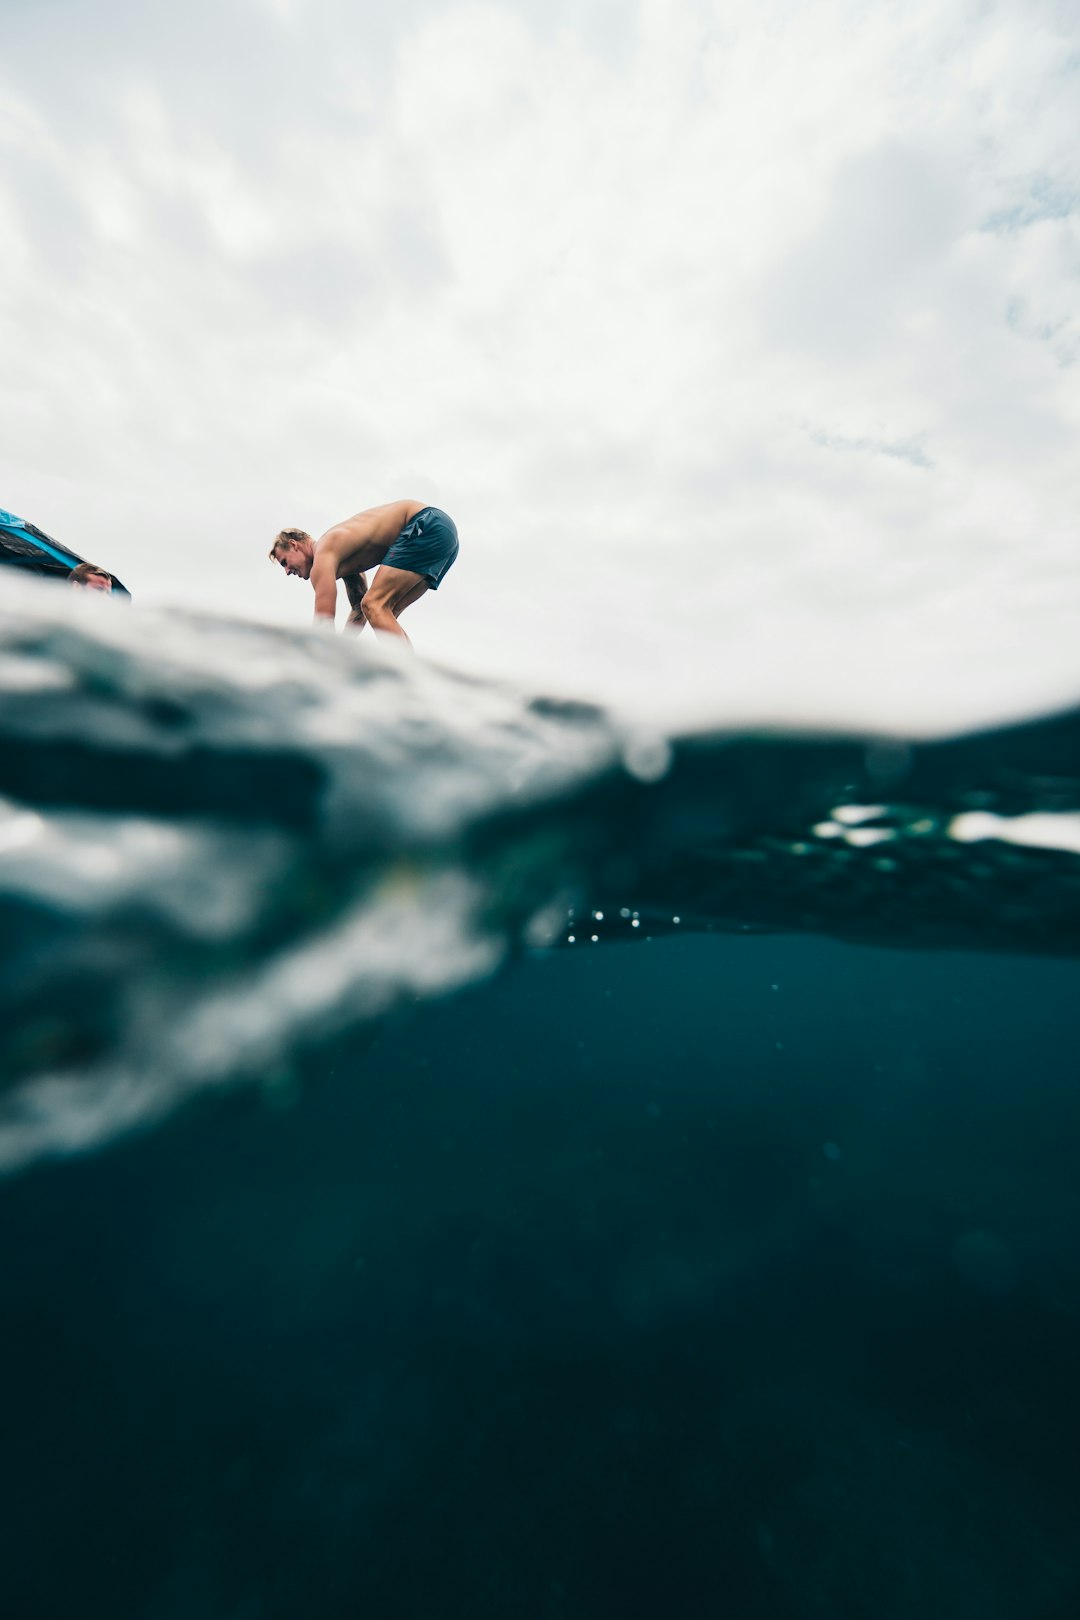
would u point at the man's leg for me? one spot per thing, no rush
(390, 593)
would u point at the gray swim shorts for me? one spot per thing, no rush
(427, 545)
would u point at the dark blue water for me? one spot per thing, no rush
(368, 1248)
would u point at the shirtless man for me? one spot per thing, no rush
(410, 545)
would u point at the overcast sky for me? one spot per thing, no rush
(741, 341)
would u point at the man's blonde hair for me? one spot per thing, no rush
(286, 538)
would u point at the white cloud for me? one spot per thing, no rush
(731, 336)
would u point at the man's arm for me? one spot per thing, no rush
(324, 583)
(356, 586)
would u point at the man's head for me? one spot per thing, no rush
(85, 577)
(295, 551)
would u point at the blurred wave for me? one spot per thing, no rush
(222, 845)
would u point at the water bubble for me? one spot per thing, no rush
(863, 837)
(852, 814)
(544, 927)
(647, 757)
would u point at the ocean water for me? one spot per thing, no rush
(468, 1153)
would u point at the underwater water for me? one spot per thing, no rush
(467, 1155)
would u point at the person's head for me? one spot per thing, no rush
(294, 550)
(86, 577)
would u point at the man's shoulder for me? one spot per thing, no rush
(334, 538)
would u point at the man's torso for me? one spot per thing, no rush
(362, 541)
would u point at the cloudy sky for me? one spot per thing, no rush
(741, 341)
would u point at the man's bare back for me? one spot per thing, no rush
(361, 542)
(411, 544)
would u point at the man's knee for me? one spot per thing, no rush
(375, 608)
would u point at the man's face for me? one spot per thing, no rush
(97, 582)
(295, 560)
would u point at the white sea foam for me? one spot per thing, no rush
(1039, 830)
(892, 668)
